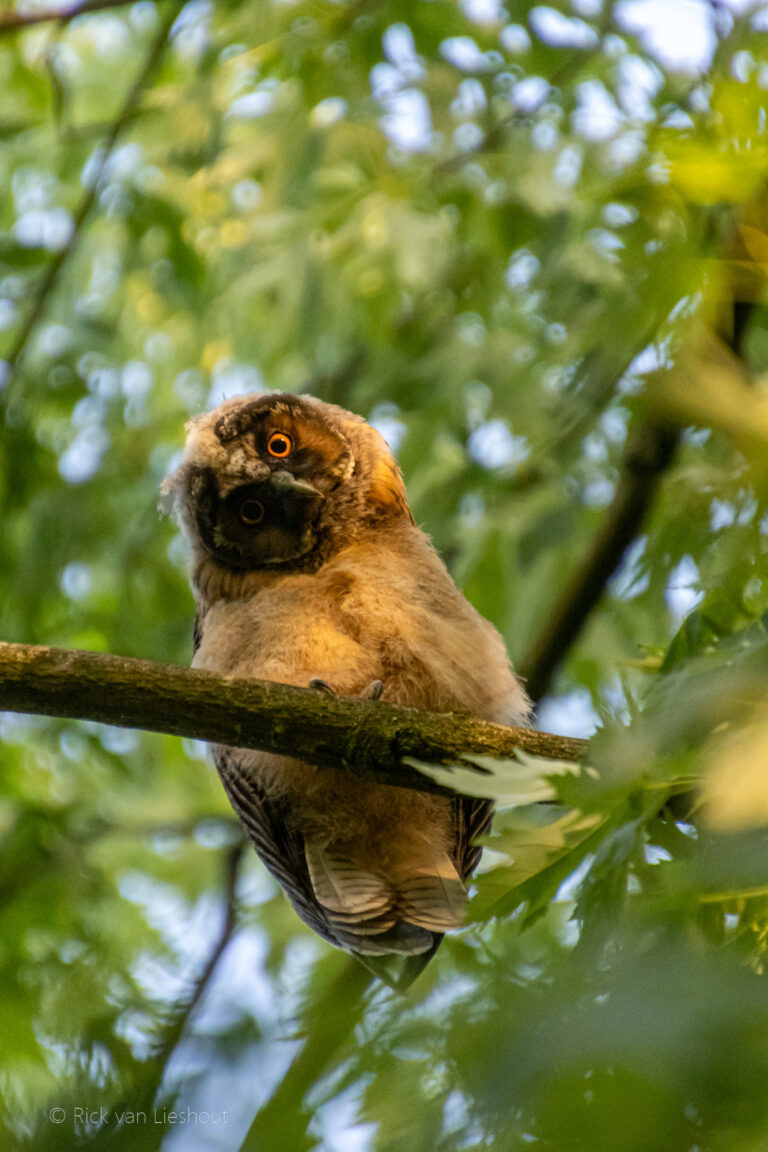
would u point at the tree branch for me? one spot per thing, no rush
(648, 456)
(50, 277)
(17, 21)
(368, 737)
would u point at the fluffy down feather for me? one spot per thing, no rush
(307, 564)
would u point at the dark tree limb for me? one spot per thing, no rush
(50, 278)
(370, 738)
(648, 456)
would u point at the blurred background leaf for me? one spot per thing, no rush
(512, 236)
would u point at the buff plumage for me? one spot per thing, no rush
(307, 565)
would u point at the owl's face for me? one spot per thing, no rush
(282, 481)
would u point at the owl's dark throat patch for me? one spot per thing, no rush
(266, 524)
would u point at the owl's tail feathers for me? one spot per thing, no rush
(433, 898)
(399, 972)
(376, 915)
(344, 888)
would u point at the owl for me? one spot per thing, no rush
(308, 569)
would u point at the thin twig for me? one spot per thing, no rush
(144, 1096)
(147, 829)
(370, 738)
(648, 456)
(495, 135)
(175, 1033)
(50, 278)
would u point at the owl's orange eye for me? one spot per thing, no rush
(279, 444)
(251, 512)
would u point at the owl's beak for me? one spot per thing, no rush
(285, 484)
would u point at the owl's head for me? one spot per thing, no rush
(281, 481)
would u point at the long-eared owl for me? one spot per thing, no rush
(308, 568)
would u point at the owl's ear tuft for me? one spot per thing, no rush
(387, 489)
(169, 495)
(202, 449)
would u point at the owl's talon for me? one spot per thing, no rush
(322, 686)
(372, 692)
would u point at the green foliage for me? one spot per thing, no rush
(508, 252)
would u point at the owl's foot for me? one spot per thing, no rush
(322, 686)
(372, 692)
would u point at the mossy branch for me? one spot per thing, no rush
(370, 738)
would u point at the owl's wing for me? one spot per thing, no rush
(264, 819)
(473, 818)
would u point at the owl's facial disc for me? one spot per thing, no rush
(258, 525)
